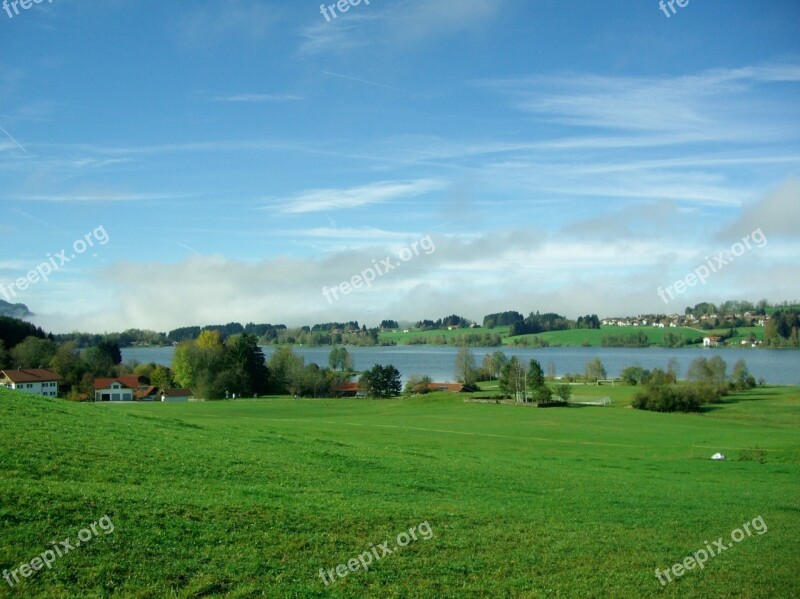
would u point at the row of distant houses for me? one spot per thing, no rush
(681, 320)
(128, 387)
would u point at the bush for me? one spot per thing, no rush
(675, 398)
(542, 395)
(418, 385)
(564, 392)
(633, 375)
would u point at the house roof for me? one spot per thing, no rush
(147, 392)
(347, 387)
(30, 375)
(177, 392)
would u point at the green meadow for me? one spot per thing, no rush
(572, 337)
(401, 338)
(252, 498)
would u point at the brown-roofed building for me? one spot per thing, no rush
(147, 394)
(176, 395)
(39, 381)
(349, 389)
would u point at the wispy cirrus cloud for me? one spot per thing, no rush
(258, 98)
(321, 200)
(350, 233)
(97, 195)
(405, 22)
(204, 26)
(691, 105)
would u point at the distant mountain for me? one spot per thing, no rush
(14, 310)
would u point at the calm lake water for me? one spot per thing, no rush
(780, 367)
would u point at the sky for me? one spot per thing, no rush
(191, 163)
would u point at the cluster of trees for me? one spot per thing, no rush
(289, 374)
(418, 385)
(637, 339)
(14, 331)
(636, 375)
(327, 327)
(709, 382)
(516, 380)
(532, 341)
(782, 329)
(590, 321)
(264, 332)
(502, 319)
(389, 325)
(126, 338)
(340, 359)
(528, 384)
(662, 394)
(640, 339)
(542, 323)
(215, 367)
(454, 320)
(538, 323)
(381, 382)
(474, 339)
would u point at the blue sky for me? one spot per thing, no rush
(242, 155)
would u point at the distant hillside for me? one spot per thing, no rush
(14, 310)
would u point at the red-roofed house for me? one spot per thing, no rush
(121, 388)
(349, 390)
(39, 381)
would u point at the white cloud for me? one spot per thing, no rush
(402, 23)
(321, 200)
(777, 214)
(694, 106)
(204, 26)
(258, 98)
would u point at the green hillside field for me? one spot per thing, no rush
(401, 338)
(573, 337)
(252, 498)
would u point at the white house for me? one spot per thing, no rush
(712, 341)
(176, 394)
(39, 381)
(122, 388)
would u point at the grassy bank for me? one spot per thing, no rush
(570, 338)
(251, 498)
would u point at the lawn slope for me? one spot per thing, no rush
(252, 498)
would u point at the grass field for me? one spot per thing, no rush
(575, 337)
(252, 498)
(401, 338)
(594, 337)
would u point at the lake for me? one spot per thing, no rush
(779, 367)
